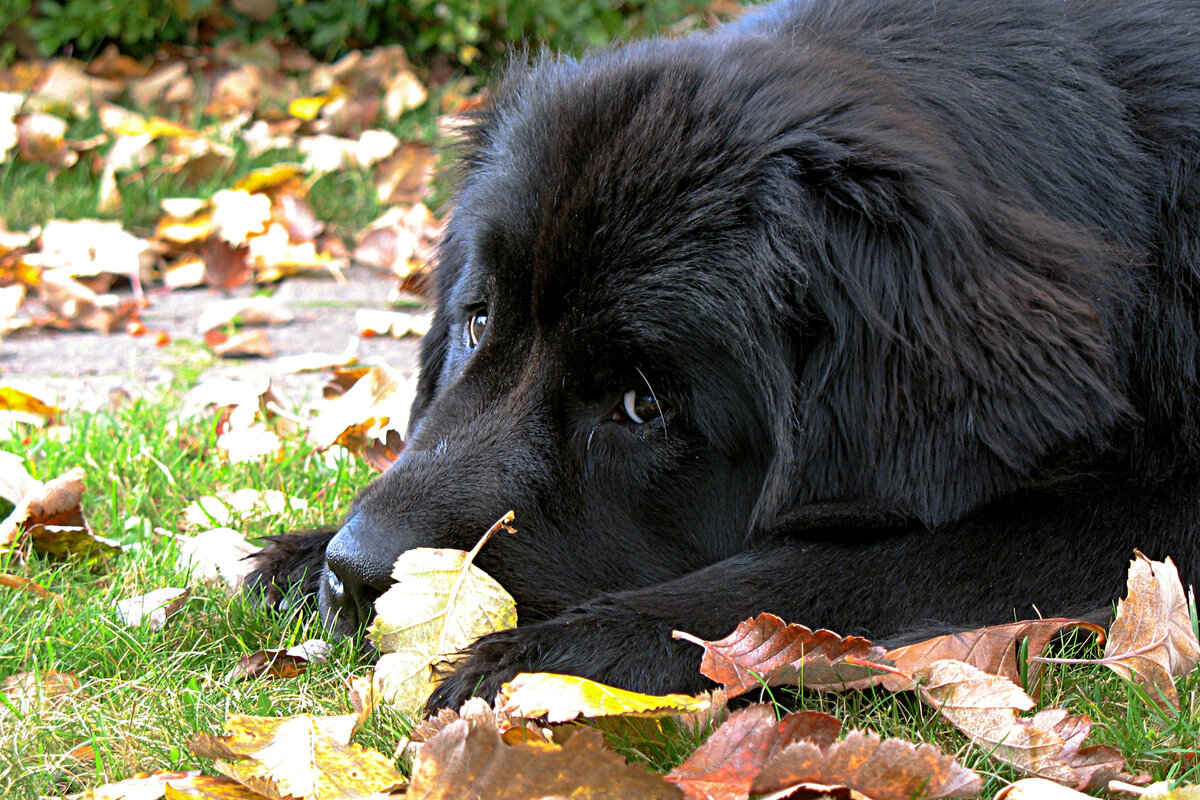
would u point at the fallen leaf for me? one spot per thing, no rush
(279, 663)
(406, 176)
(242, 345)
(1039, 789)
(995, 650)
(1152, 641)
(256, 310)
(766, 651)
(34, 588)
(724, 767)
(1163, 790)
(466, 760)
(217, 555)
(562, 698)
(10, 104)
(236, 214)
(82, 308)
(91, 247)
(440, 602)
(890, 769)
(302, 757)
(225, 266)
(54, 503)
(1048, 745)
(377, 403)
(376, 322)
(402, 93)
(29, 405)
(36, 692)
(152, 609)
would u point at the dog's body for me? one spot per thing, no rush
(874, 314)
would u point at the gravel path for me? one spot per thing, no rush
(83, 367)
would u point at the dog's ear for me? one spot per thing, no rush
(964, 340)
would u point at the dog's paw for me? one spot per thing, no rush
(490, 662)
(612, 646)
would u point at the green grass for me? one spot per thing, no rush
(144, 692)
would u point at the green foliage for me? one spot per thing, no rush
(464, 31)
(82, 25)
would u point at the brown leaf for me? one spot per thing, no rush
(891, 769)
(1047, 745)
(298, 218)
(405, 177)
(242, 344)
(301, 756)
(467, 760)
(724, 766)
(380, 455)
(225, 266)
(34, 588)
(766, 651)
(1151, 639)
(54, 504)
(278, 663)
(994, 650)
(33, 692)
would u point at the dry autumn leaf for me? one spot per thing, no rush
(217, 556)
(190, 785)
(995, 650)
(466, 760)
(1152, 640)
(440, 602)
(34, 692)
(152, 609)
(51, 519)
(986, 708)
(27, 407)
(279, 663)
(1038, 789)
(868, 767)
(766, 651)
(15, 481)
(724, 767)
(1163, 790)
(562, 698)
(376, 404)
(298, 757)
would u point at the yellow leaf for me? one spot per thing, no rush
(184, 231)
(307, 108)
(438, 605)
(301, 756)
(260, 180)
(564, 697)
(376, 403)
(12, 399)
(154, 127)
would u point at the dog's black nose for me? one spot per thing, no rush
(355, 575)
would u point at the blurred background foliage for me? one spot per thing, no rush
(455, 33)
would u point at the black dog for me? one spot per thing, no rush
(875, 314)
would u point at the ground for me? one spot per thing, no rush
(84, 366)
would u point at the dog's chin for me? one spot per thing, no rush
(341, 614)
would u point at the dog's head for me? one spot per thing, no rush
(687, 286)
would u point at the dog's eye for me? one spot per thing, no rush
(475, 326)
(640, 408)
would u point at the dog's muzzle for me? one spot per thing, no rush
(354, 576)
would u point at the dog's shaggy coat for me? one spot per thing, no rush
(875, 314)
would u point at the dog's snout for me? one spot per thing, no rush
(355, 575)
(355, 560)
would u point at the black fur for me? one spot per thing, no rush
(919, 281)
